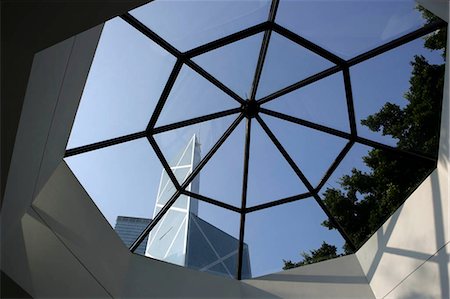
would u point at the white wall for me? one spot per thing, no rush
(406, 257)
(31, 254)
(337, 278)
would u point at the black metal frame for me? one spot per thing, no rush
(248, 113)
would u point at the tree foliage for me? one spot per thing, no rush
(365, 199)
(325, 252)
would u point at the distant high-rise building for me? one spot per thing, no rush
(181, 237)
(129, 229)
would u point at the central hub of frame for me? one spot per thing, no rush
(250, 108)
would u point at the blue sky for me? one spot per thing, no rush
(129, 72)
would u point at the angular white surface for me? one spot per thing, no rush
(337, 278)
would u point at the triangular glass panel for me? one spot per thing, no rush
(287, 63)
(280, 234)
(401, 103)
(193, 23)
(234, 64)
(270, 177)
(322, 102)
(123, 181)
(125, 81)
(348, 28)
(185, 147)
(221, 178)
(313, 151)
(369, 185)
(193, 96)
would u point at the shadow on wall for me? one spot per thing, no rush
(384, 234)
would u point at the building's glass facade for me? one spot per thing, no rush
(182, 237)
(168, 240)
(129, 228)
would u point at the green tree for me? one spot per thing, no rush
(365, 199)
(325, 252)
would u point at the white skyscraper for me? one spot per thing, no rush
(181, 237)
(168, 240)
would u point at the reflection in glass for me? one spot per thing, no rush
(188, 24)
(348, 28)
(125, 81)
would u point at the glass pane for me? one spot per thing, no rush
(202, 237)
(322, 102)
(401, 103)
(219, 230)
(174, 254)
(348, 28)
(188, 24)
(129, 229)
(193, 142)
(313, 151)
(270, 177)
(123, 181)
(221, 178)
(125, 81)
(287, 63)
(368, 186)
(288, 233)
(234, 64)
(167, 189)
(193, 96)
(165, 235)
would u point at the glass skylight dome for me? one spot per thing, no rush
(257, 121)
